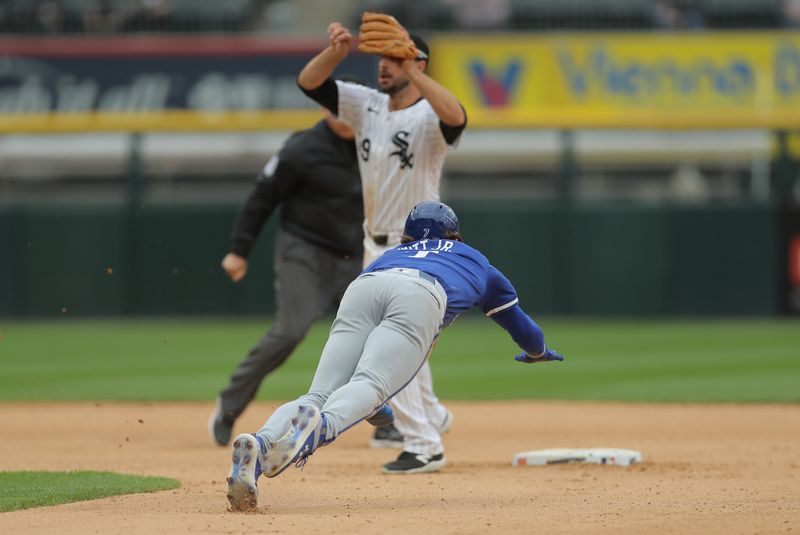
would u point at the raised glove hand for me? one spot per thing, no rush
(549, 354)
(380, 33)
(340, 37)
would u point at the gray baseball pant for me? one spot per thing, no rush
(384, 329)
(309, 280)
(417, 410)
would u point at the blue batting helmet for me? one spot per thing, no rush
(431, 220)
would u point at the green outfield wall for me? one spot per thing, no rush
(608, 260)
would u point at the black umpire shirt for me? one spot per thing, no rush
(315, 179)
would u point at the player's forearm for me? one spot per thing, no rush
(523, 330)
(320, 67)
(443, 102)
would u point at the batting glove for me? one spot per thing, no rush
(548, 355)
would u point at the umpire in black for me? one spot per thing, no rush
(318, 250)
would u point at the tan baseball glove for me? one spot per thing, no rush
(380, 33)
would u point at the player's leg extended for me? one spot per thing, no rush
(394, 350)
(302, 293)
(358, 315)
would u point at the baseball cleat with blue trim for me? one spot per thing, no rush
(382, 417)
(305, 435)
(245, 469)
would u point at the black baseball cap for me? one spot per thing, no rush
(422, 47)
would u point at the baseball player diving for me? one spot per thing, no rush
(403, 133)
(387, 323)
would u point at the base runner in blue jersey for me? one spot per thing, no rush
(387, 324)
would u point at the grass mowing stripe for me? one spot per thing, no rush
(23, 490)
(192, 359)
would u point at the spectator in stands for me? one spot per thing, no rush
(480, 14)
(413, 14)
(101, 17)
(677, 15)
(50, 17)
(151, 15)
(790, 13)
(279, 16)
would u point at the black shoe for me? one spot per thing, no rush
(220, 427)
(386, 437)
(415, 463)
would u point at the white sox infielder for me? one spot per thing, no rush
(403, 133)
(400, 156)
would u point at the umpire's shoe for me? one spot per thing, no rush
(304, 436)
(245, 469)
(220, 426)
(415, 463)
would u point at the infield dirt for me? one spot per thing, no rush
(707, 469)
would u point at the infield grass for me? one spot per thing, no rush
(23, 490)
(191, 359)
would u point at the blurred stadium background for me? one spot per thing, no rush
(622, 158)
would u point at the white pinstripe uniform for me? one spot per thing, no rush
(400, 156)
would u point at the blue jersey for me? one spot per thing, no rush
(465, 274)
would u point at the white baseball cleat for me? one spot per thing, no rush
(304, 436)
(242, 486)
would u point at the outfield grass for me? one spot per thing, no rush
(189, 359)
(23, 490)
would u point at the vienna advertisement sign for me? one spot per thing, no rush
(736, 80)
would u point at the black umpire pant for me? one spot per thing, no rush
(309, 280)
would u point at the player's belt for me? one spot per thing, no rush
(429, 278)
(414, 273)
(435, 284)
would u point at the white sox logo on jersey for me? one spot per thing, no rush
(400, 141)
(400, 154)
